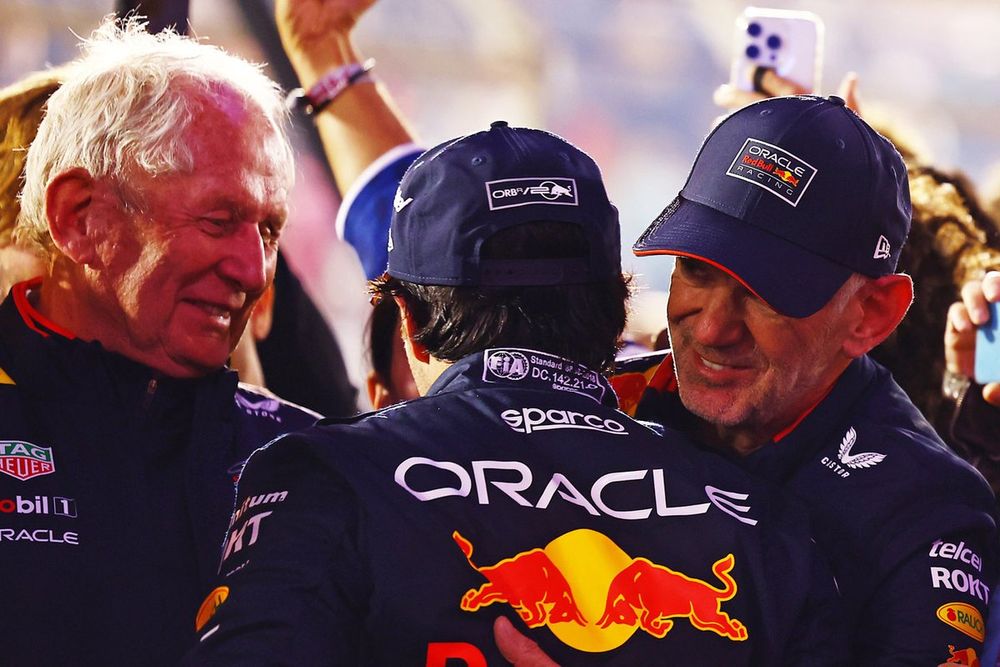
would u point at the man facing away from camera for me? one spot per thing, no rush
(513, 485)
(156, 188)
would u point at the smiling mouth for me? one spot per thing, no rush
(723, 367)
(219, 313)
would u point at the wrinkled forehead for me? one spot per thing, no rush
(227, 121)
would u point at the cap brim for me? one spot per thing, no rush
(793, 281)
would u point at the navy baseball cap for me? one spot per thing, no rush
(790, 196)
(462, 192)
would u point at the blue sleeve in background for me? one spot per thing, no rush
(367, 208)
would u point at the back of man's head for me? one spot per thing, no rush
(126, 104)
(507, 238)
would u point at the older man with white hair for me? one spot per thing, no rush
(157, 186)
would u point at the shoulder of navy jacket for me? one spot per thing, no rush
(641, 362)
(332, 421)
(251, 397)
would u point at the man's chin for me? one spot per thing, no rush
(712, 405)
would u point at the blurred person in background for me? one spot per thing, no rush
(21, 107)
(389, 380)
(156, 191)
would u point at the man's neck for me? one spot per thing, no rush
(739, 441)
(63, 300)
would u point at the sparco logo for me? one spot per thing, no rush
(528, 420)
(511, 192)
(508, 364)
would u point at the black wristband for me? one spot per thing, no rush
(758, 78)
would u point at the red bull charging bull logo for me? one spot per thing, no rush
(613, 594)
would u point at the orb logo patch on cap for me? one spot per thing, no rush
(511, 192)
(770, 167)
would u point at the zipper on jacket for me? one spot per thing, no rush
(150, 394)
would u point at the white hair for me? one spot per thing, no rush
(126, 103)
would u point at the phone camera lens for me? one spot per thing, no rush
(774, 41)
(754, 29)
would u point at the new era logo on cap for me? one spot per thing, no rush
(772, 168)
(511, 192)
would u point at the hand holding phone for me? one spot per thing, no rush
(988, 348)
(789, 42)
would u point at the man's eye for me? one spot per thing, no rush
(693, 269)
(214, 224)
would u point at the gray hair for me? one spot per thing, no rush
(126, 103)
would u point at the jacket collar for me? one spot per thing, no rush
(524, 369)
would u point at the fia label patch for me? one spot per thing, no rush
(547, 370)
(771, 167)
(511, 192)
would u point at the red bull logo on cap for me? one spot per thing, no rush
(772, 168)
(593, 596)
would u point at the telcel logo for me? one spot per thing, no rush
(528, 420)
(39, 505)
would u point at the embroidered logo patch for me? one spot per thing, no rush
(511, 192)
(23, 460)
(859, 460)
(770, 167)
(964, 618)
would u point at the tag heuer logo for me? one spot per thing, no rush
(511, 192)
(24, 460)
(771, 167)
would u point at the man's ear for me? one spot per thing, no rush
(68, 202)
(883, 302)
(409, 327)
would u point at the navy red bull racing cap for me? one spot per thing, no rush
(462, 192)
(790, 196)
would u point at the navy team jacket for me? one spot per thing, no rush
(116, 486)
(516, 488)
(908, 527)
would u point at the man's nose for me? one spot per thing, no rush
(246, 259)
(720, 322)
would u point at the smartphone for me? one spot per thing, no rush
(988, 348)
(789, 41)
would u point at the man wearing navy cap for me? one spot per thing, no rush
(787, 235)
(513, 486)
